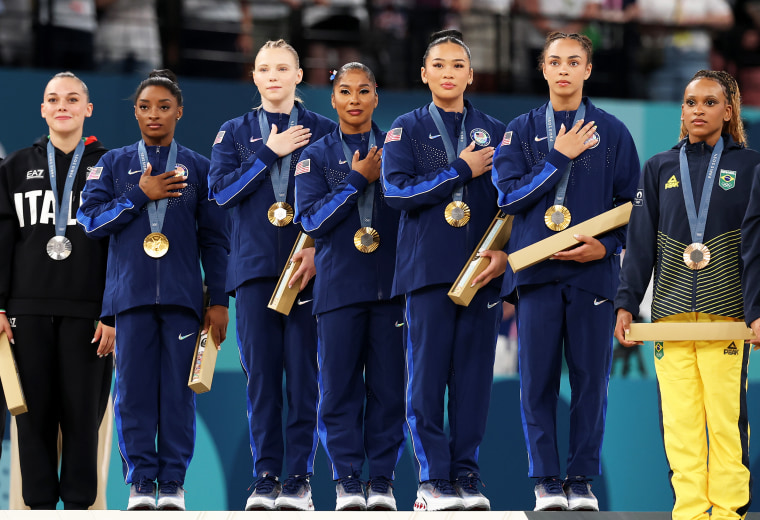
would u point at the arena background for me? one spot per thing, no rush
(635, 470)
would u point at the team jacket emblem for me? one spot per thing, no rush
(672, 183)
(35, 174)
(480, 137)
(727, 179)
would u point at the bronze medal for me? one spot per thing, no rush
(280, 214)
(367, 239)
(156, 245)
(696, 256)
(557, 218)
(457, 213)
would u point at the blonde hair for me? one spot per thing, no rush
(282, 44)
(735, 125)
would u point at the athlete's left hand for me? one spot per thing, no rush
(106, 336)
(306, 270)
(496, 267)
(755, 326)
(590, 249)
(216, 316)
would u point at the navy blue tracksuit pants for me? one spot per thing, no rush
(449, 345)
(551, 316)
(361, 358)
(153, 406)
(270, 342)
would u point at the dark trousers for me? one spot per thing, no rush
(65, 384)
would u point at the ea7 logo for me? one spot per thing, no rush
(12, 322)
(35, 174)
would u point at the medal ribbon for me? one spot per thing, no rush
(551, 136)
(157, 209)
(697, 223)
(438, 120)
(278, 173)
(366, 201)
(62, 207)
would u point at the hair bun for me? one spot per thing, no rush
(163, 73)
(447, 33)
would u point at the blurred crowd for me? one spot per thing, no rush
(643, 49)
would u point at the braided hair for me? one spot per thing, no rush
(735, 125)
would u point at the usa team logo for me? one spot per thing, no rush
(595, 139)
(219, 137)
(181, 169)
(93, 173)
(480, 137)
(303, 167)
(507, 139)
(394, 135)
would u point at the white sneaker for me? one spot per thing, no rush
(437, 495)
(549, 495)
(350, 496)
(295, 495)
(171, 496)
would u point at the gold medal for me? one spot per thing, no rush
(696, 256)
(280, 214)
(557, 218)
(457, 213)
(367, 239)
(156, 245)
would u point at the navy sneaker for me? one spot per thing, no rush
(579, 495)
(295, 495)
(142, 496)
(265, 493)
(437, 495)
(549, 495)
(350, 495)
(380, 495)
(467, 488)
(171, 496)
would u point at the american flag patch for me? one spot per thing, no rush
(303, 166)
(219, 137)
(393, 135)
(507, 139)
(95, 173)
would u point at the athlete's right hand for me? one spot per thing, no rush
(571, 143)
(479, 161)
(5, 326)
(161, 186)
(623, 325)
(370, 166)
(288, 141)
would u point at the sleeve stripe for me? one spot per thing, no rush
(417, 189)
(91, 225)
(505, 201)
(314, 222)
(227, 194)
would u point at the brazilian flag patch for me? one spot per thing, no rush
(727, 179)
(659, 351)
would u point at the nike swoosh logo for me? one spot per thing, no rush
(304, 302)
(599, 302)
(342, 162)
(254, 139)
(431, 136)
(492, 305)
(185, 336)
(540, 138)
(132, 172)
(399, 324)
